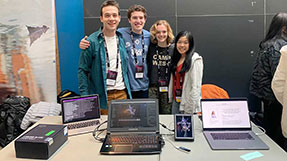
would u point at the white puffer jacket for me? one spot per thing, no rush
(191, 90)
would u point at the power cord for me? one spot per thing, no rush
(180, 148)
(164, 126)
(262, 129)
(95, 135)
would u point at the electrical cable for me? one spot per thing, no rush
(164, 126)
(96, 137)
(262, 129)
(180, 148)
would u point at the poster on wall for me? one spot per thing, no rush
(27, 49)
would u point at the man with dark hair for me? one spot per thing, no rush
(137, 41)
(103, 66)
(138, 8)
(110, 3)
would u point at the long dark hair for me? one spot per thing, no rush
(275, 28)
(176, 55)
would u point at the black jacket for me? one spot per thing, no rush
(264, 68)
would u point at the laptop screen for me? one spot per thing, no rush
(133, 115)
(80, 108)
(225, 113)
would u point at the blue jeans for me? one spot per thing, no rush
(175, 107)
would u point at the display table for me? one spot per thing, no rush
(86, 148)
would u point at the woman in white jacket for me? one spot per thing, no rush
(279, 87)
(186, 78)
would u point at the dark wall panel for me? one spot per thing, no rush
(274, 6)
(95, 24)
(207, 7)
(92, 8)
(228, 55)
(154, 8)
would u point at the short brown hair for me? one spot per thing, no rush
(110, 3)
(153, 31)
(134, 8)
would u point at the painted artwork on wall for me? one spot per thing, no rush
(27, 49)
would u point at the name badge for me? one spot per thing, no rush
(111, 78)
(178, 93)
(178, 99)
(162, 85)
(163, 89)
(139, 72)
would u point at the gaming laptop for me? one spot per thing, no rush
(133, 127)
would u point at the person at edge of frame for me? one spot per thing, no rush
(279, 87)
(265, 65)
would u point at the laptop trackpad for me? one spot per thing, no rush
(123, 148)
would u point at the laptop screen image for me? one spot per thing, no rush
(133, 115)
(223, 113)
(80, 108)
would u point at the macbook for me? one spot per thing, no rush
(133, 127)
(226, 125)
(81, 114)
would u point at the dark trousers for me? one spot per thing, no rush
(140, 94)
(272, 122)
(164, 106)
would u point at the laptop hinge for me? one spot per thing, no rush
(132, 133)
(231, 129)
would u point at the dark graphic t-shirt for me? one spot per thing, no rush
(158, 58)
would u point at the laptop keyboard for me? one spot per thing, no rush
(83, 124)
(231, 136)
(134, 139)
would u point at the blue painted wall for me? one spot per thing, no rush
(70, 29)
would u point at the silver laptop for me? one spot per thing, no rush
(226, 125)
(81, 114)
(133, 127)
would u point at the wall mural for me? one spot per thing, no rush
(27, 49)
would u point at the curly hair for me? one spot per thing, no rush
(153, 31)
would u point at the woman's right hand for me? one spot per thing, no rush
(84, 44)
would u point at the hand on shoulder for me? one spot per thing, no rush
(84, 44)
